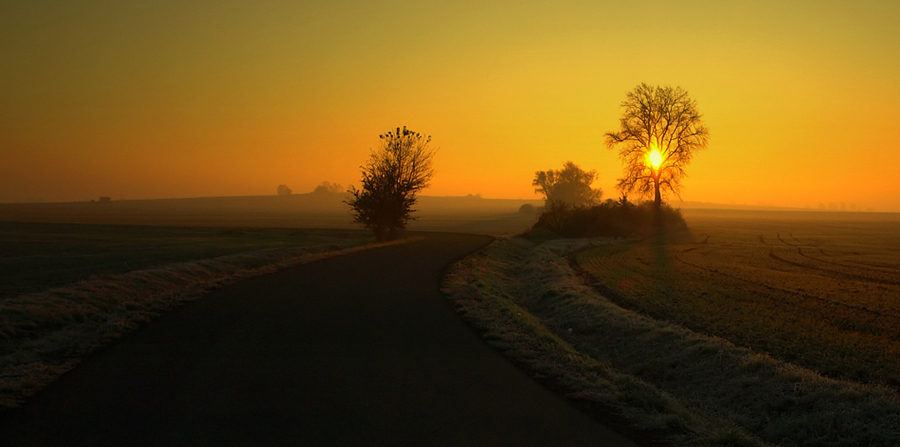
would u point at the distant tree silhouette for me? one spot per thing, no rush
(283, 190)
(326, 187)
(657, 119)
(570, 186)
(392, 177)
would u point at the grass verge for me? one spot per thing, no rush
(660, 381)
(44, 334)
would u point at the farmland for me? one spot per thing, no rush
(815, 289)
(728, 335)
(741, 333)
(70, 288)
(38, 256)
(468, 214)
(75, 275)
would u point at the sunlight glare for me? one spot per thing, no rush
(655, 158)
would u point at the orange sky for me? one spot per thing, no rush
(163, 99)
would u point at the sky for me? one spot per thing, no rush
(158, 99)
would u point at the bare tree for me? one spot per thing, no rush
(392, 177)
(570, 186)
(660, 130)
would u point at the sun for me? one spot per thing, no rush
(655, 158)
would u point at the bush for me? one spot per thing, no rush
(611, 219)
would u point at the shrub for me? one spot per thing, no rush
(393, 176)
(610, 218)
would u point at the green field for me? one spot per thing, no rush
(816, 289)
(38, 256)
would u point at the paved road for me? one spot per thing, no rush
(354, 350)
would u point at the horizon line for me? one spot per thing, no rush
(691, 204)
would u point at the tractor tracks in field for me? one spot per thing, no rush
(831, 272)
(874, 269)
(834, 273)
(758, 284)
(610, 292)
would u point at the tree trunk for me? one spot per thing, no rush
(657, 201)
(657, 206)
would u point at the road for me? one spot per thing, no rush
(359, 349)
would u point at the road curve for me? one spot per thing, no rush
(360, 349)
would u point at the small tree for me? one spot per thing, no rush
(392, 177)
(570, 186)
(283, 190)
(659, 132)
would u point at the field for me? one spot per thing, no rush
(43, 245)
(471, 214)
(75, 275)
(742, 333)
(38, 256)
(66, 289)
(821, 290)
(756, 328)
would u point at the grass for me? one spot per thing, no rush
(486, 289)
(664, 381)
(88, 284)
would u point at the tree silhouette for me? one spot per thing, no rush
(660, 130)
(327, 188)
(570, 186)
(283, 190)
(392, 177)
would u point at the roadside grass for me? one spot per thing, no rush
(45, 333)
(660, 379)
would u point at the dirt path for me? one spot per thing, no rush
(354, 350)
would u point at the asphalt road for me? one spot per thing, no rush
(355, 350)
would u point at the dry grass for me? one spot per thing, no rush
(663, 378)
(44, 334)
